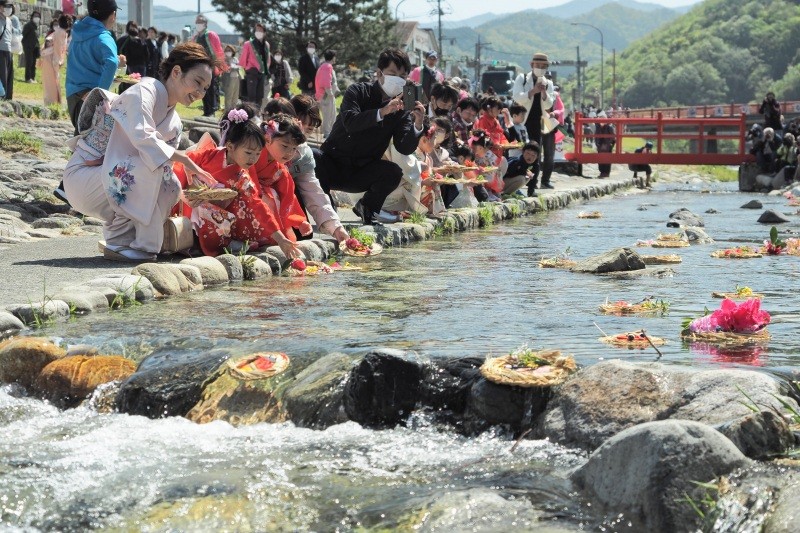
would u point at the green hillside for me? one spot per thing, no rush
(515, 37)
(721, 51)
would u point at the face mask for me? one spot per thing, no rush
(7, 12)
(439, 137)
(228, 54)
(392, 85)
(133, 33)
(36, 20)
(278, 58)
(311, 51)
(200, 28)
(260, 35)
(440, 112)
(539, 72)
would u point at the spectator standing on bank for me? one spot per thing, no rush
(326, 90)
(427, 75)
(154, 52)
(256, 60)
(53, 57)
(210, 41)
(281, 74)
(771, 109)
(308, 65)
(6, 46)
(230, 80)
(30, 45)
(135, 51)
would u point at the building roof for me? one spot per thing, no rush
(405, 29)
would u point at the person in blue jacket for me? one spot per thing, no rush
(92, 60)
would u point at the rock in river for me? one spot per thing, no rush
(68, 381)
(684, 217)
(770, 216)
(616, 260)
(23, 358)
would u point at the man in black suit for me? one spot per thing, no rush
(308, 65)
(371, 116)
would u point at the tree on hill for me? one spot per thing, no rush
(357, 29)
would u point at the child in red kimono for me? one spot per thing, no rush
(492, 108)
(247, 218)
(481, 144)
(283, 134)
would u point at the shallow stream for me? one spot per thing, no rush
(478, 293)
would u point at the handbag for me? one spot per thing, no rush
(549, 124)
(178, 235)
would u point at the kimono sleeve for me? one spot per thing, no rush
(133, 112)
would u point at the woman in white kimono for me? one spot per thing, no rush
(131, 186)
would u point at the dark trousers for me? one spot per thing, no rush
(283, 91)
(74, 104)
(7, 74)
(31, 54)
(211, 98)
(548, 151)
(255, 86)
(377, 178)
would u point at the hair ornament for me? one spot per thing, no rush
(237, 115)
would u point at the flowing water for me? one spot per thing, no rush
(474, 294)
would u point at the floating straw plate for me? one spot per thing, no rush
(313, 268)
(735, 254)
(590, 214)
(619, 308)
(727, 337)
(557, 263)
(507, 370)
(624, 340)
(258, 365)
(374, 249)
(669, 244)
(735, 296)
(670, 237)
(661, 259)
(208, 194)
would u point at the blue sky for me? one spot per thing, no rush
(420, 9)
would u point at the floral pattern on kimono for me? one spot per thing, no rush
(277, 191)
(138, 150)
(493, 130)
(246, 218)
(494, 179)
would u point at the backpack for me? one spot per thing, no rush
(95, 123)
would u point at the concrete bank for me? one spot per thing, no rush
(55, 278)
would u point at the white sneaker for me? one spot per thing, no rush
(385, 217)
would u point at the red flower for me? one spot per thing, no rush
(298, 264)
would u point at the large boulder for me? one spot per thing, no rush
(495, 404)
(254, 268)
(127, 287)
(23, 358)
(770, 216)
(760, 435)
(211, 270)
(683, 217)
(167, 385)
(697, 235)
(752, 204)
(316, 398)
(68, 381)
(383, 388)
(84, 300)
(609, 397)
(167, 279)
(447, 384)
(39, 313)
(9, 324)
(647, 472)
(616, 260)
(232, 266)
(786, 512)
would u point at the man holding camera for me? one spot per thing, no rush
(771, 109)
(535, 93)
(372, 115)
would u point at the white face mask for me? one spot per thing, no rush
(200, 28)
(278, 58)
(228, 54)
(539, 72)
(392, 85)
(311, 51)
(7, 12)
(260, 35)
(36, 20)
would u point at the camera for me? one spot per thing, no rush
(413, 93)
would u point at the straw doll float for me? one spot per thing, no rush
(669, 259)
(529, 368)
(732, 323)
(648, 306)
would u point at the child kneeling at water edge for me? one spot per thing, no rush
(247, 217)
(520, 170)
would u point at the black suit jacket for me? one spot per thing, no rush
(358, 136)
(308, 70)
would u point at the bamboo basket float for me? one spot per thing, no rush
(258, 366)
(671, 237)
(661, 259)
(633, 339)
(736, 253)
(727, 337)
(313, 268)
(557, 262)
(625, 308)
(670, 244)
(737, 296)
(590, 214)
(507, 370)
(374, 249)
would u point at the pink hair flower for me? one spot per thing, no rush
(237, 115)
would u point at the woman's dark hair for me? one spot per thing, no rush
(396, 56)
(443, 124)
(444, 92)
(306, 107)
(259, 25)
(490, 102)
(279, 105)
(479, 138)
(65, 22)
(187, 56)
(329, 55)
(469, 103)
(283, 125)
(131, 24)
(36, 14)
(243, 131)
(461, 149)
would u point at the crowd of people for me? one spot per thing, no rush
(775, 142)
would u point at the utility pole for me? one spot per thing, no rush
(478, 46)
(580, 86)
(614, 77)
(439, 14)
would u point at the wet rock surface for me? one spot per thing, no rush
(66, 382)
(770, 216)
(616, 260)
(683, 217)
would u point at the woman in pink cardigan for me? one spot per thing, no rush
(255, 60)
(326, 89)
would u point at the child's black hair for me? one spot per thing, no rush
(443, 124)
(516, 109)
(479, 138)
(283, 125)
(469, 102)
(237, 131)
(461, 150)
(491, 102)
(278, 105)
(531, 145)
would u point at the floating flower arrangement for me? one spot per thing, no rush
(732, 323)
(529, 368)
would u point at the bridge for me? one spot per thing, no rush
(788, 110)
(676, 141)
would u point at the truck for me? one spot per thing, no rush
(499, 76)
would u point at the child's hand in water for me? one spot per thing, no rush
(290, 249)
(305, 228)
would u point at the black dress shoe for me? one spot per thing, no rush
(361, 212)
(547, 186)
(532, 194)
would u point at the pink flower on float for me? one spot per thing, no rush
(746, 317)
(135, 76)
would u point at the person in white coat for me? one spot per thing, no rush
(126, 178)
(536, 94)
